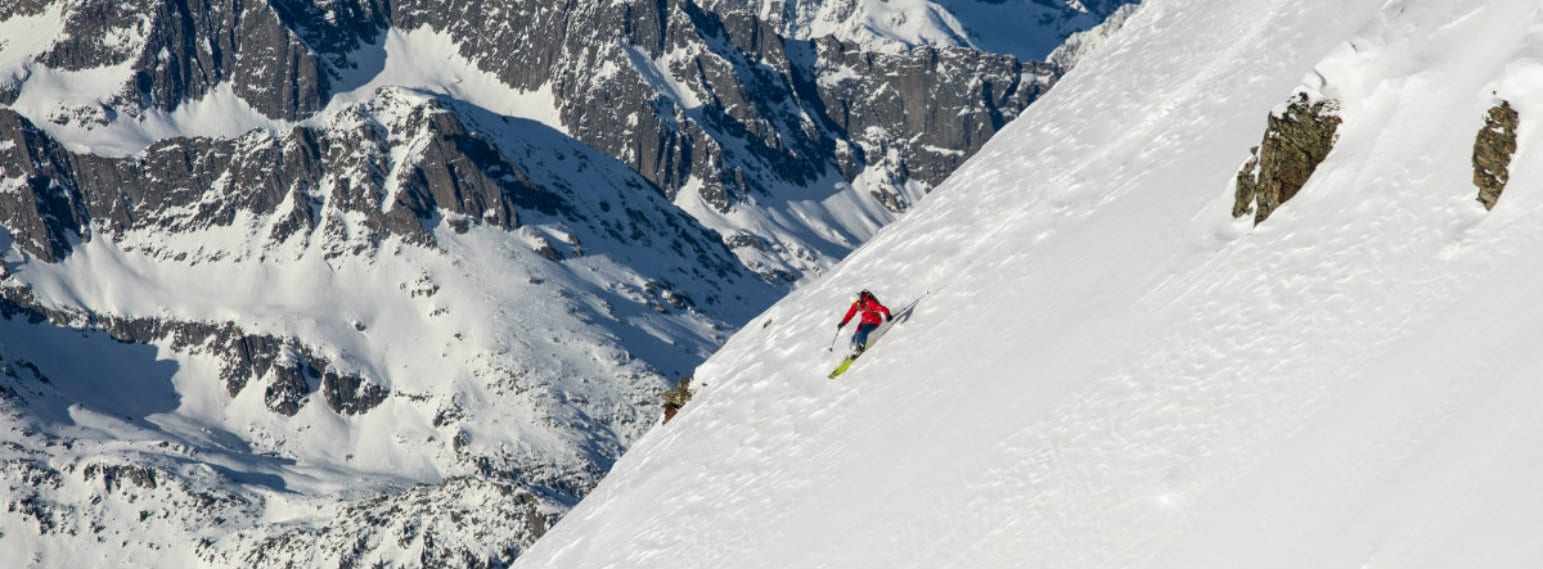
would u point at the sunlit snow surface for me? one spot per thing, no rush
(1103, 369)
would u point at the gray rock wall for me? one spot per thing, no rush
(770, 115)
(188, 184)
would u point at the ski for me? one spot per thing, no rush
(852, 358)
(846, 363)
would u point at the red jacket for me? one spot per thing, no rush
(870, 309)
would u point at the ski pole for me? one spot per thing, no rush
(832, 347)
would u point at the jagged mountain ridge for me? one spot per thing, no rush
(719, 107)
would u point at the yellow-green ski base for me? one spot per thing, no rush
(841, 368)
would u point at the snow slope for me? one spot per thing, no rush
(1096, 366)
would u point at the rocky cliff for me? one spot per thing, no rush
(717, 111)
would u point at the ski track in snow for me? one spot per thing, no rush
(1105, 370)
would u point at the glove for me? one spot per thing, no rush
(840, 325)
(888, 318)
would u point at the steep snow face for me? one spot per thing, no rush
(1094, 365)
(1028, 29)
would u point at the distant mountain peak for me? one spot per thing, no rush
(1027, 29)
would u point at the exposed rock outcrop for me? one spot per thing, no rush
(1297, 139)
(1492, 151)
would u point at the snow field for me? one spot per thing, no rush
(522, 348)
(1104, 370)
(521, 355)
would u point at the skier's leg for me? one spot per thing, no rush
(860, 339)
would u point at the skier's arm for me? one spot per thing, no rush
(885, 310)
(848, 318)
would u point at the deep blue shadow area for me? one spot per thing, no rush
(87, 368)
(52, 369)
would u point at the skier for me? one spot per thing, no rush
(871, 308)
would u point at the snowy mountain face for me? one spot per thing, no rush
(500, 332)
(1028, 29)
(1255, 286)
(756, 135)
(365, 284)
